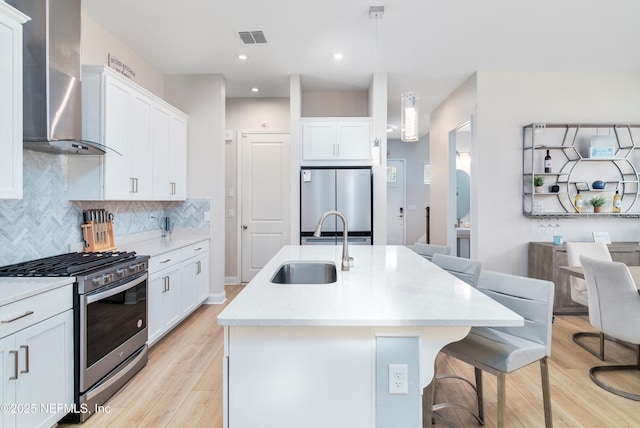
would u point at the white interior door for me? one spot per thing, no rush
(396, 208)
(265, 200)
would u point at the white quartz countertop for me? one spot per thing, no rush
(158, 245)
(13, 289)
(387, 286)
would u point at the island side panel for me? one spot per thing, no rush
(288, 377)
(315, 376)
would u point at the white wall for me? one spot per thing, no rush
(507, 101)
(202, 97)
(456, 110)
(97, 44)
(378, 113)
(417, 192)
(245, 114)
(334, 104)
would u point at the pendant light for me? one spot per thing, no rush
(409, 117)
(409, 108)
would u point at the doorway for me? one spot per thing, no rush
(460, 144)
(265, 187)
(396, 199)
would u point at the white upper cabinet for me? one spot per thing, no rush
(169, 154)
(327, 140)
(11, 101)
(136, 127)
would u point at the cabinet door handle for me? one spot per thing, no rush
(26, 358)
(26, 314)
(165, 280)
(165, 261)
(198, 249)
(15, 365)
(199, 267)
(133, 184)
(136, 181)
(168, 283)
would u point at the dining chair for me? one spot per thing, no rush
(579, 294)
(502, 350)
(428, 250)
(465, 269)
(614, 309)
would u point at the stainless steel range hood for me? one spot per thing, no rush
(52, 80)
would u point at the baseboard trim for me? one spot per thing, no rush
(216, 298)
(231, 280)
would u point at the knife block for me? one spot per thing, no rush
(98, 236)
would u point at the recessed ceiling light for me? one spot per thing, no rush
(254, 89)
(338, 56)
(242, 57)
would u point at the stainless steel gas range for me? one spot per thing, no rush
(110, 319)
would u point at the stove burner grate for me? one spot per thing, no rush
(65, 264)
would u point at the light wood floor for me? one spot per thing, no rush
(182, 383)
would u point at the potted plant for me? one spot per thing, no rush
(597, 202)
(538, 181)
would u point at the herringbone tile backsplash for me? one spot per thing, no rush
(45, 222)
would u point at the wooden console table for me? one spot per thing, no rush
(546, 258)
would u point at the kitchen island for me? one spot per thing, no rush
(320, 355)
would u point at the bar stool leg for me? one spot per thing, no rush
(478, 374)
(502, 397)
(546, 392)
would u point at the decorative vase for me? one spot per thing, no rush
(597, 209)
(538, 189)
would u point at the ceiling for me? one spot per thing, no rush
(428, 46)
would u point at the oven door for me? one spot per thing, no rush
(113, 325)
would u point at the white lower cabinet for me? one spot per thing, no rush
(37, 367)
(195, 274)
(178, 284)
(164, 296)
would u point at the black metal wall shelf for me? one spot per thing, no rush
(574, 170)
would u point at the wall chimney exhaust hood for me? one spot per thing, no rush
(52, 102)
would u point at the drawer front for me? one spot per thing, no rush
(164, 260)
(27, 312)
(195, 249)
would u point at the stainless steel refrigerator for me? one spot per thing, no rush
(348, 190)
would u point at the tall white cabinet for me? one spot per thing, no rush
(169, 154)
(146, 141)
(11, 22)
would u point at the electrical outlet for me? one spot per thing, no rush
(398, 380)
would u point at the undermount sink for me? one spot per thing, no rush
(305, 273)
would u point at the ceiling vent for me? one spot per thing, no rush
(251, 37)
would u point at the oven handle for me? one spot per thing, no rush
(110, 292)
(107, 384)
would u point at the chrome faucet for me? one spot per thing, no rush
(345, 235)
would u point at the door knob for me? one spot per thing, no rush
(245, 227)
